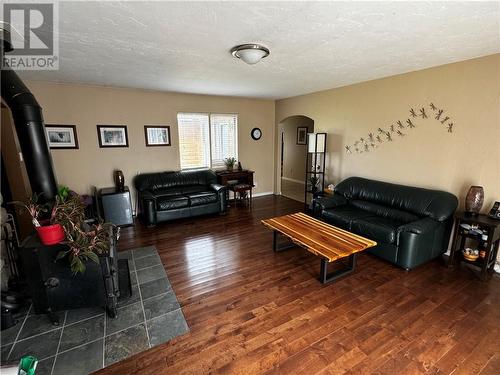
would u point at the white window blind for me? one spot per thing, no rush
(205, 140)
(224, 138)
(194, 140)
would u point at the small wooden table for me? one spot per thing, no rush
(324, 240)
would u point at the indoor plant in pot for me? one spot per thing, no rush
(230, 162)
(44, 220)
(66, 218)
(85, 242)
(313, 183)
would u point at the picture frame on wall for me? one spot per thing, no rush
(61, 136)
(157, 135)
(112, 136)
(302, 135)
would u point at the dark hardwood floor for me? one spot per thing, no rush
(251, 311)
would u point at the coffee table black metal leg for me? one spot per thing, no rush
(277, 248)
(325, 277)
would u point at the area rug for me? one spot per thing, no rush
(88, 339)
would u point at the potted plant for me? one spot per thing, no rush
(66, 224)
(230, 162)
(85, 241)
(313, 181)
(49, 230)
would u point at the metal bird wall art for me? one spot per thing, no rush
(374, 139)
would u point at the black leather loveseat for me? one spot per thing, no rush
(411, 225)
(167, 196)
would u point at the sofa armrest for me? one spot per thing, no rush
(148, 204)
(146, 194)
(221, 191)
(333, 201)
(218, 187)
(419, 242)
(419, 227)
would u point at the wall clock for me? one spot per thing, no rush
(256, 133)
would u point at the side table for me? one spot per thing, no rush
(489, 244)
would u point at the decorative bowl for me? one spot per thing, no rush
(470, 257)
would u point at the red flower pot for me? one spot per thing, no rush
(51, 234)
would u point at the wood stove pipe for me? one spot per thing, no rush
(28, 121)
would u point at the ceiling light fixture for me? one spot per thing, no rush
(250, 53)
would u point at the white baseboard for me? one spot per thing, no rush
(293, 180)
(262, 194)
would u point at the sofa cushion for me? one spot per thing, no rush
(191, 189)
(201, 198)
(171, 202)
(377, 228)
(342, 216)
(436, 204)
(167, 192)
(385, 211)
(160, 180)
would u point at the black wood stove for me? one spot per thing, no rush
(53, 287)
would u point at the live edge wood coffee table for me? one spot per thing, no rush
(324, 240)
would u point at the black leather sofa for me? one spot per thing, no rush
(167, 196)
(411, 225)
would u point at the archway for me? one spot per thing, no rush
(292, 143)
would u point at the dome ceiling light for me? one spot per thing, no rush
(250, 53)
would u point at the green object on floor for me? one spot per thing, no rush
(27, 365)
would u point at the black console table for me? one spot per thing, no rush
(489, 227)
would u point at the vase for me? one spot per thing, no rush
(119, 180)
(474, 200)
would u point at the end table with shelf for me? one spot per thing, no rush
(486, 226)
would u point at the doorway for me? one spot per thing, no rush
(292, 155)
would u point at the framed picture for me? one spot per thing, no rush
(157, 135)
(61, 136)
(302, 135)
(112, 135)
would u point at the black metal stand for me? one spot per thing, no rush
(278, 248)
(325, 277)
(315, 167)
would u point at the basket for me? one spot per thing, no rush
(470, 257)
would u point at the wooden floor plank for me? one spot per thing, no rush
(252, 311)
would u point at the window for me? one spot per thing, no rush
(205, 140)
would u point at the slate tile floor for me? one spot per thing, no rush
(88, 339)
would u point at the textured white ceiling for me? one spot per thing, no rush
(184, 46)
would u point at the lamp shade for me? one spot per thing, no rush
(316, 142)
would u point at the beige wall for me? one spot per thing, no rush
(428, 156)
(294, 155)
(87, 106)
